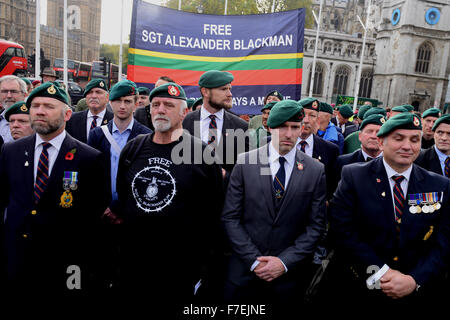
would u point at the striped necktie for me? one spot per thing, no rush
(94, 122)
(399, 200)
(303, 145)
(280, 177)
(447, 167)
(42, 174)
(212, 136)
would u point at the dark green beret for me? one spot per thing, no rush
(377, 119)
(399, 109)
(407, 107)
(122, 89)
(269, 105)
(197, 103)
(95, 83)
(144, 91)
(215, 78)
(375, 110)
(310, 103)
(275, 93)
(325, 107)
(362, 110)
(190, 102)
(346, 111)
(403, 120)
(168, 90)
(17, 108)
(286, 110)
(27, 81)
(50, 90)
(444, 119)
(432, 112)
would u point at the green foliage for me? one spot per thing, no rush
(242, 7)
(111, 51)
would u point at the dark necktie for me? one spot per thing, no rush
(42, 173)
(399, 200)
(94, 122)
(447, 167)
(303, 145)
(369, 159)
(212, 136)
(280, 177)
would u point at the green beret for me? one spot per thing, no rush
(403, 120)
(190, 102)
(197, 103)
(432, 112)
(399, 109)
(26, 80)
(122, 89)
(325, 107)
(375, 110)
(168, 90)
(346, 111)
(215, 78)
(269, 105)
(310, 103)
(275, 93)
(95, 83)
(49, 90)
(377, 119)
(144, 91)
(286, 110)
(17, 108)
(444, 119)
(408, 107)
(362, 110)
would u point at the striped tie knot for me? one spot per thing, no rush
(398, 179)
(303, 145)
(94, 122)
(212, 129)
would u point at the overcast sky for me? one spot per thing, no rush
(110, 25)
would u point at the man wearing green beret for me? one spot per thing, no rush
(159, 180)
(344, 113)
(142, 113)
(397, 110)
(351, 142)
(213, 124)
(273, 96)
(29, 85)
(143, 100)
(97, 114)
(275, 185)
(437, 158)
(391, 226)
(54, 192)
(261, 135)
(18, 116)
(369, 147)
(327, 129)
(429, 116)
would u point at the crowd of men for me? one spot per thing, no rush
(175, 201)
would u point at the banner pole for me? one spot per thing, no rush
(313, 69)
(179, 5)
(121, 45)
(273, 6)
(37, 51)
(226, 7)
(65, 45)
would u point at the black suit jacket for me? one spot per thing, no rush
(354, 157)
(142, 115)
(252, 225)
(429, 160)
(76, 126)
(40, 241)
(327, 152)
(364, 227)
(230, 146)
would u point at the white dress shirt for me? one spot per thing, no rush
(53, 151)
(365, 155)
(205, 121)
(309, 146)
(5, 131)
(404, 184)
(90, 118)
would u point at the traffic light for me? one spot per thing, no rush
(31, 59)
(103, 66)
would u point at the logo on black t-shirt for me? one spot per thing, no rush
(154, 187)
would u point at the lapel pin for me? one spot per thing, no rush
(378, 180)
(105, 121)
(383, 194)
(320, 158)
(299, 166)
(26, 164)
(26, 153)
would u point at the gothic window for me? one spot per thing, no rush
(350, 50)
(311, 44)
(341, 80)
(327, 47)
(318, 79)
(306, 45)
(365, 84)
(337, 49)
(423, 58)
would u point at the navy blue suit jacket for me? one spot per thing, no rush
(327, 152)
(364, 227)
(429, 160)
(76, 126)
(354, 157)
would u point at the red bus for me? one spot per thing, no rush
(72, 67)
(84, 72)
(12, 59)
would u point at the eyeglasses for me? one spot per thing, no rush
(13, 92)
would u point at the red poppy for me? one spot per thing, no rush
(69, 156)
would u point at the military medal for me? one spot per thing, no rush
(66, 199)
(26, 164)
(70, 180)
(419, 209)
(437, 205)
(425, 209)
(413, 209)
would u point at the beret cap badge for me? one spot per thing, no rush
(416, 122)
(315, 105)
(51, 89)
(101, 84)
(382, 120)
(24, 108)
(173, 91)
